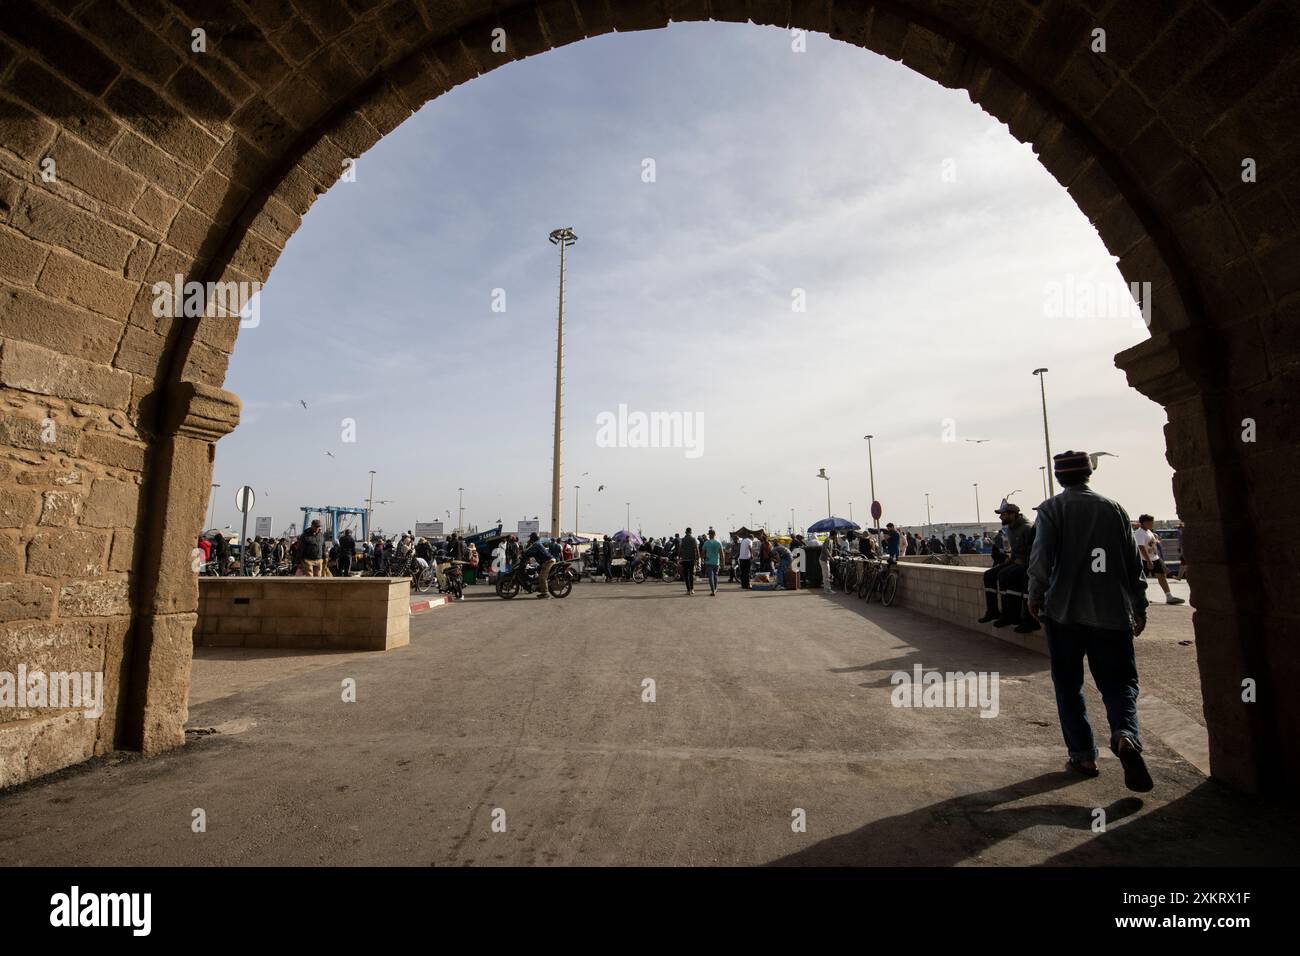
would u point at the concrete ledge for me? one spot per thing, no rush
(360, 614)
(956, 595)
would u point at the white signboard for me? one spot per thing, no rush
(530, 527)
(428, 529)
(263, 529)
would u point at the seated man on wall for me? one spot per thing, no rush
(1009, 578)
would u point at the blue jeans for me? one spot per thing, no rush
(1114, 668)
(781, 568)
(711, 572)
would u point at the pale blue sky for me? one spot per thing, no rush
(775, 170)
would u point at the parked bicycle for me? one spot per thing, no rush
(408, 566)
(880, 581)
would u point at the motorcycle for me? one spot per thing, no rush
(523, 577)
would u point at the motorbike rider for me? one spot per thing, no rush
(545, 561)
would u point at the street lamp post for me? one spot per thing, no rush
(1047, 442)
(929, 524)
(460, 512)
(213, 512)
(629, 517)
(1043, 469)
(575, 508)
(822, 474)
(977, 502)
(871, 465)
(370, 504)
(562, 238)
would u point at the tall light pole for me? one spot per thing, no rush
(1047, 442)
(212, 514)
(977, 502)
(1043, 469)
(850, 511)
(822, 474)
(629, 517)
(460, 511)
(575, 508)
(929, 524)
(871, 464)
(562, 238)
(370, 504)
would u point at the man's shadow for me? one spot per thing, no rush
(956, 830)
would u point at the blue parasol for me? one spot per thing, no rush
(832, 524)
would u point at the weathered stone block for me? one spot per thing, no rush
(36, 369)
(59, 508)
(100, 598)
(111, 504)
(66, 554)
(24, 600)
(18, 507)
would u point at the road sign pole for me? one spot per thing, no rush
(243, 546)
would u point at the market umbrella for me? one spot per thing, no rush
(574, 539)
(621, 536)
(832, 524)
(744, 533)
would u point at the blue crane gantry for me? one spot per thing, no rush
(333, 512)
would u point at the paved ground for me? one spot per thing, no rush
(765, 703)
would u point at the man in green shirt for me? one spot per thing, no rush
(711, 552)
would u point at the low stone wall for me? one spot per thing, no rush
(360, 614)
(955, 595)
(966, 560)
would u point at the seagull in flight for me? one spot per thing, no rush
(330, 453)
(302, 403)
(1093, 456)
(601, 488)
(977, 441)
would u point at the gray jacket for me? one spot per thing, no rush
(1084, 568)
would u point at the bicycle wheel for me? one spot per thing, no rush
(422, 580)
(877, 582)
(638, 575)
(507, 587)
(890, 589)
(868, 578)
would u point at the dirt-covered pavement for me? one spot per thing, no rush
(524, 732)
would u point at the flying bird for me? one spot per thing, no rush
(302, 403)
(601, 488)
(978, 441)
(330, 453)
(1093, 456)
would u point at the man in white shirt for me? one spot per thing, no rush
(744, 555)
(1148, 543)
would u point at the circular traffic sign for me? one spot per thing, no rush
(244, 499)
(876, 510)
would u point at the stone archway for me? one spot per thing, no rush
(1177, 142)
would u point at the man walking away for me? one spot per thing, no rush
(688, 554)
(745, 554)
(347, 552)
(1085, 584)
(712, 551)
(1148, 545)
(311, 550)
